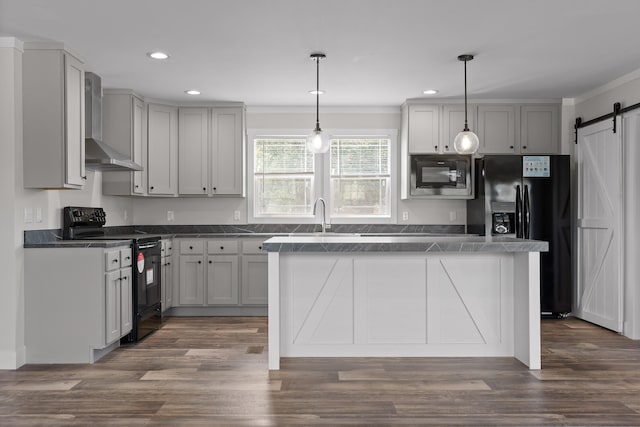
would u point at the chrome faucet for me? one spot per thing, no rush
(325, 226)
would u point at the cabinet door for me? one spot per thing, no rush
(496, 129)
(169, 284)
(163, 282)
(74, 121)
(254, 279)
(112, 306)
(453, 123)
(126, 301)
(423, 128)
(192, 150)
(191, 280)
(222, 280)
(539, 129)
(162, 153)
(227, 165)
(139, 133)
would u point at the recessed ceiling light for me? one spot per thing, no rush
(316, 92)
(430, 92)
(192, 92)
(157, 55)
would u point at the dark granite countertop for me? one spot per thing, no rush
(397, 243)
(79, 244)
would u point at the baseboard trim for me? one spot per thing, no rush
(216, 311)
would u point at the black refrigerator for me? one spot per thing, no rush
(529, 197)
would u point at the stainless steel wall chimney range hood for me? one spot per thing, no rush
(99, 155)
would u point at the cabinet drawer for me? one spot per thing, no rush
(112, 260)
(125, 257)
(192, 247)
(252, 246)
(222, 246)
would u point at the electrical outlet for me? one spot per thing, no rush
(452, 215)
(405, 216)
(38, 214)
(170, 216)
(236, 215)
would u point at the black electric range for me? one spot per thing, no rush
(87, 223)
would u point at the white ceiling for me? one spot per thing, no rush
(379, 52)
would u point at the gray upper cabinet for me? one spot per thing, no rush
(162, 150)
(193, 149)
(519, 129)
(124, 127)
(53, 105)
(496, 129)
(211, 151)
(227, 151)
(423, 128)
(539, 129)
(453, 123)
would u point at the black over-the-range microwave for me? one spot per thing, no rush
(447, 176)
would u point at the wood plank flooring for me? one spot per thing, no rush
(204, 371)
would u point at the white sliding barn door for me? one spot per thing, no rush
(600, 225)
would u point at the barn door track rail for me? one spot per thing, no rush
(617, 110)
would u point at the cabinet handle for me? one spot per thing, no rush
(524, 147)
(114, 261)
(511, 146)
(137, 186)
(221, 248)
(210, 262)
(199, 262)
(204, 188)
(446, 147)
(152, 187)
(190, 247)
(168, 263)
(127, 257)
(435, 147)
(260, 247)
(84, 177)
(214, 189)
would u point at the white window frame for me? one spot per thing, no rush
(322, 179)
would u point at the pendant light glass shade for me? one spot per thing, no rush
(318, 141)
(466, 142)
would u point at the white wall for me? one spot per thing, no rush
(11, 252)
(221, 210)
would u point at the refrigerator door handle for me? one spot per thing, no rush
(518, 213)
(526, 214)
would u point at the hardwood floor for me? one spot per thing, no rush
(213, 371)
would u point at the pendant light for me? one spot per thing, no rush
(318, 142)
(466, 142)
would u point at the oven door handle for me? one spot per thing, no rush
(148, 245)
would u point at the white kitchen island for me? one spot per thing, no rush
(404, 296)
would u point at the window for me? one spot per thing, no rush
(283, 177)
(356, 177)
(360, 177)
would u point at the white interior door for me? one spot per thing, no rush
(600, 225)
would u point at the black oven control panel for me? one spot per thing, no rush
(75, 219)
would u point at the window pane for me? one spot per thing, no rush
(359, 157)
(360, 196)
(283, 177)
(282, 156)
(283, 195)
(360, 177)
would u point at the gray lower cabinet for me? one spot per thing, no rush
(254, 279)
(222, 280)
(221, 272)
(78, 302)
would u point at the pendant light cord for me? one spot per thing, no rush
(318, 94)
(466, 126)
